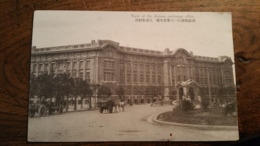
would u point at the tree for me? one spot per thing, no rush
(224, 92)
(85, 91)
(76, 91)
(120, 91)
(104, 92)
(42, 86)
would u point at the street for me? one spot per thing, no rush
(133, 124)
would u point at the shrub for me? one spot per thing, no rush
(186, 105)
(230, 109)
(204, 103)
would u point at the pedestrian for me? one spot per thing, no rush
(153, 101)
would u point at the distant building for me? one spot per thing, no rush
(177, 73)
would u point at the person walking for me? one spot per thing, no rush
(153, 101)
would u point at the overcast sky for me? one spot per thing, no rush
(210, 34)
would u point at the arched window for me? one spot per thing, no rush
(109, 54)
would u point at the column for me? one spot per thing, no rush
(209, 87)
(156, 75)
(175, 80)
(138, 73)
(31, 68)
(171, 75)
(132, 80)
(37, 69)
(144, 73)
(64, 66)
(97, 70)
(125, 65)
(49, 68)
(77, 69)
(151, 74)
(189, 70)
(71, 68)
(84, 70)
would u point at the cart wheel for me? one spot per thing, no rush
(31, 113)
(42, 111)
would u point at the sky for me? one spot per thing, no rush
(210, 34)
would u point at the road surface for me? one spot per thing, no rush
(131, 125)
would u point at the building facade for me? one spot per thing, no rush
(175, 73)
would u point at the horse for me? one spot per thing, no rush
(119, 106)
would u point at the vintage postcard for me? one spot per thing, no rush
(132, 76)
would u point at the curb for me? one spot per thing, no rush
(204, 127)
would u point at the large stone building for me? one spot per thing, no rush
(177, 73)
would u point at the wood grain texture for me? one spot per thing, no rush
(15, 43)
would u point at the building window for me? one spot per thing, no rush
(81, 65)
(197, 80)
(173, 72)
(87, 64)
(121, 78)
(153, 78)
(141, 67)
(159, 69)
(128, 66)
(135, 78)
(147, 78)
(109, 64)
(74, 74)
(108, 54)
(74, 65)
(81, 75)
(147, 68)
(34, 68)
(128, 78)
(141, 78)
(178, 70)
(68, 66)
(88, 76)
(122, 66)
(159, 79)
(135, 67)
(153, 68)
(108, 76)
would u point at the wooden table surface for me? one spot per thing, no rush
(15, 43)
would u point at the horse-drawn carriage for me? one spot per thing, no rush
(111, 105)
(106, 105)
(44, 108)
